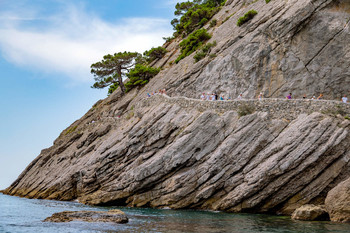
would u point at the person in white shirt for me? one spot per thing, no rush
(203, 96)
(344, 99)
(240, 96)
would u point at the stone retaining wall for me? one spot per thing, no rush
(278, 108)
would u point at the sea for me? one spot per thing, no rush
(27, 215)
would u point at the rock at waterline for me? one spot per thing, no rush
(310, 213)
(114, 216)
(338, 202)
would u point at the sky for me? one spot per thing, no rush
(46, 49)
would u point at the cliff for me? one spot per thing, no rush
(253, 156)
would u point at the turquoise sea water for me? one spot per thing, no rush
(24, 215)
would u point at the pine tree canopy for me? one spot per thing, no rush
(112, 68)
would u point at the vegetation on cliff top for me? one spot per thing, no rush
(193, 15)
(192, 43)
(140, 75)
(154, 53)
(110, 71)
(204, 51)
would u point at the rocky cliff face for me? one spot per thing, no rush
(268, 156)
(298, 46)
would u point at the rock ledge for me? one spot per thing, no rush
(310, 213)
(115, 216)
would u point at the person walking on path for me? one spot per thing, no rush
(260, 96)
(289, 96)
(344, 99)
(320, 97)
(208, 97)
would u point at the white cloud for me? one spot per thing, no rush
(70, 41)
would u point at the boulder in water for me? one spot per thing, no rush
(338, 202)
(310, 213)
(115, 216)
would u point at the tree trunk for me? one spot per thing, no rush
(120, 80)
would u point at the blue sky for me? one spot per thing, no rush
(46, 49)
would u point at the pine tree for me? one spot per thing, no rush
(112, 68)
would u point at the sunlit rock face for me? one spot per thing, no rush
(270, 156)
(338, 202)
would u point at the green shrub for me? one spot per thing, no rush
(199, 56)
(347, 118)
(140, 75)
(194, 15)
(340, 110)
(204, 51)
(208, 46)
(245, 109)
(213, 23)
(155, 53)
(112, 88)
(192, 43)
(71, 130)
(247, 16)
(334, 111)
(168, 39)
(203, 22)
(267, 1)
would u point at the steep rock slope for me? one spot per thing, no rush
(298, 46)
(181, 153)
(178, 153)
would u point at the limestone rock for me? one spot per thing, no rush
(183, 153)
(115, 216)
(310, 213)
(298, 46)
(338, 202)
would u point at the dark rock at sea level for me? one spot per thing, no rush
(114, 216)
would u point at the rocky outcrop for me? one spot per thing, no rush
(297, 46)
(114, 216)
(310, 213)
(164, 152)
(238, 156)
(338, 202)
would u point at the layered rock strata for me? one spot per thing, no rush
(164, 152)
(297, 46)
(268, 156)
